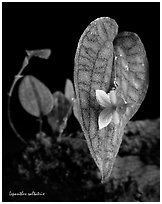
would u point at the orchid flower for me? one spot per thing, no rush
(109, 102)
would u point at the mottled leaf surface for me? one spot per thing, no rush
(106, 60)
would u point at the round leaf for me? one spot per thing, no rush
(35, 97)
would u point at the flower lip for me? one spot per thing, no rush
(113, 97)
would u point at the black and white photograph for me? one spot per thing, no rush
(80, 101)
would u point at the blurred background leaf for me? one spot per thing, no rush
(35, 97)
(69, 90)
(57, 118)
(42, 53)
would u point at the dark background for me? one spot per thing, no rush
(58, 26)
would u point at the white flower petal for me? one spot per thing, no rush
(116, 119)
(103, 98)
(113, 98)
(104, 119)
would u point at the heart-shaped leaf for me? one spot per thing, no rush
(106, 61)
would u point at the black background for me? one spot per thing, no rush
(58, 26)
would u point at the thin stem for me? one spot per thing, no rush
(40, 124)
(18, 76)
(64, 124)
(11, 124)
